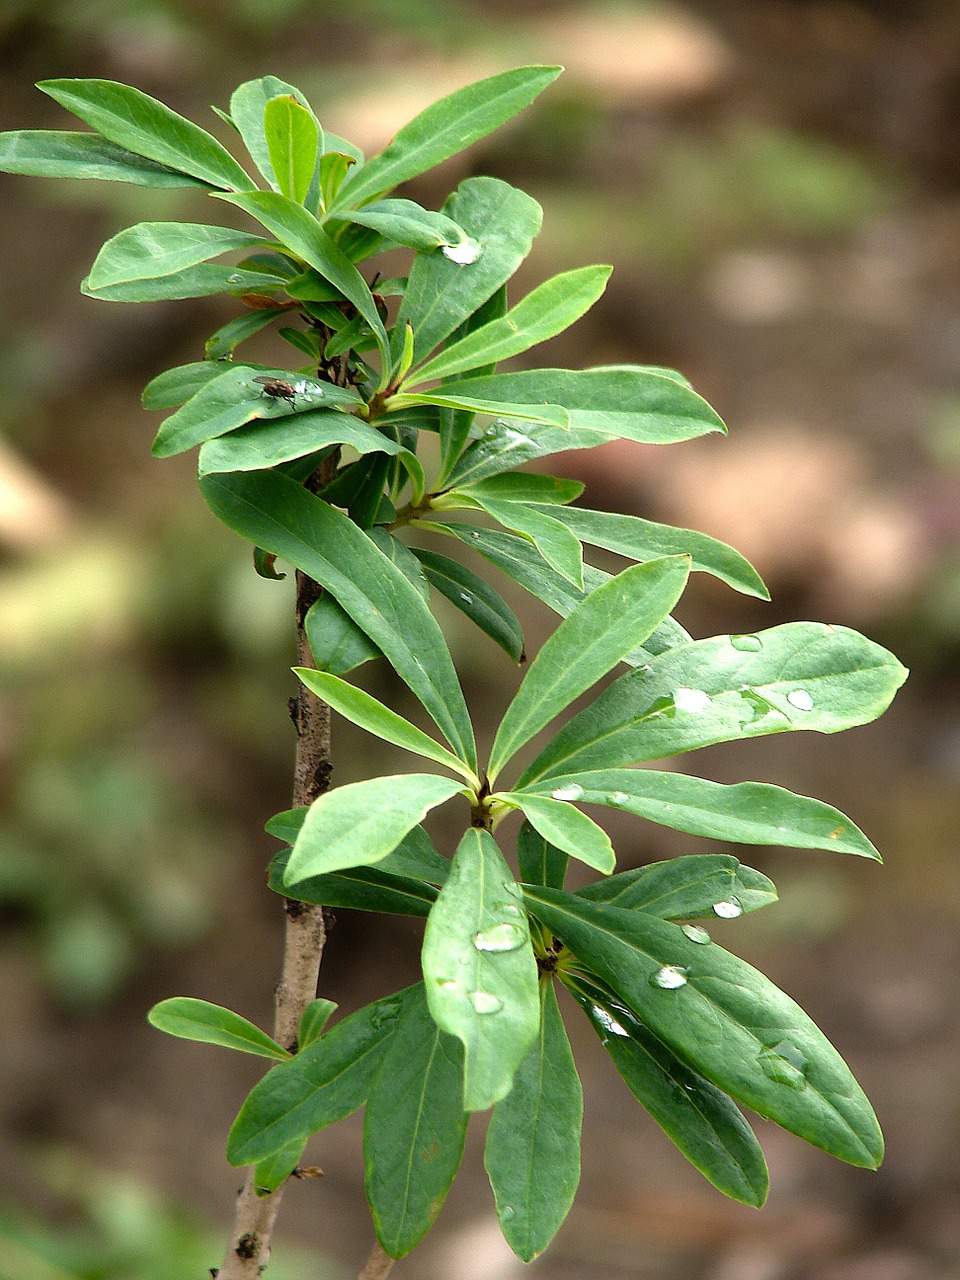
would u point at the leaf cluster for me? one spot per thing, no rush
(397, 425)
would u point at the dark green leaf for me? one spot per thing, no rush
(476, 599)
(414, 1128)
(200, 1020)
(415, 856)
(338, 645)
(687, 888)
(540, 861)
(313, 1020)
(357, 889)
(506, 444)
(222, 344)
(141, 124)
(521, 486)
(270, 1173)
(532, 1155)
(480, 971)
(278, 514)
(803, 675)
(324, 1082)
(696, 1116)
(43, 153)
(265, 444)
(444, 128)
(729, 1022)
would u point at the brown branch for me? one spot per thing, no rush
(377, 1265)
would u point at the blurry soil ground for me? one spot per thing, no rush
(778, 186)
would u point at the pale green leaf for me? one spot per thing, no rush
(200, 1020)
(48, 153)
(293, 142)
(152, 249)
(564, 826)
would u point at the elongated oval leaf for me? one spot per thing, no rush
(803, 675)
(554, 414)
(266, 444)
(414, 1128)
(200, 1020)
(415, 856)
(532, 1154)
(404, 222)
(313, 1020)
(300, 231)
(474, 597)
(270, 1173)
(692, 887)
(506, 444)
(701, 1120)
(480, 971)
(282, 517)
(248, 105)
(546, 311)
(338, 645)
(192, 282)
(139, 123)
(446, 127)
(540, 861)
(324, 1082)
(596, 636)
(175, 386)
(729, 1022)
(633, 404)
(49, 153)
(222, 344)
(369, 713)
(442, 294)
(357, 889)
(523, 486)
(293, 140)
(565, 827)
(645, 540)
(361, 823)
(746, 812)
(553, 541)
(152, 249)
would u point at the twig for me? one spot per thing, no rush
(377, 1265)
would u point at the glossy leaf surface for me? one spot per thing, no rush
(270, 1173)
(338, 645)
(474, 597)
(49, 153)
(267, 444)
(404, 222)
(686, 888)
(200, 1020)
(152, 249)
(565, 826)
(293, 142)
(480, 971)
(357, 889)
(192, 282)
(540, 862)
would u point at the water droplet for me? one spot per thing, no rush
(619, 798)
(785, 1064)
(499, 937)
(690, 699)
(729, 909)
(447, 984)
(484, 1002)
(234, 279)
(475, 535)
(747, 643)
(800, 699)
(669, 977)
(573, 792)
(507, 1213)
(513, 889)
(695, 933)
(608, 1022)
(466, 597)
(467, 251)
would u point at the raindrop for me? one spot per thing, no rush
(513, 889)
(234, 279)
(608, 1022)
(447, 984)
(747, 644)
(573, 792)
(467, 251)
(466, 597)
(690, 699)
(669, 977)
(785, 1064)
(619, 798)
(499, 937)
(695, 933)
(729, 909)
(475, 535)
(507, 1213)
(484, 1002)
(800, 699)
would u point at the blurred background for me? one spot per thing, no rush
(778, 186)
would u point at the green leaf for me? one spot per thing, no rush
(729, 1022)
(324, 1082)
(415, 856)
(506, 444)
(174, 386)
(152, 249)
(357, 889)
(338, 645)
(141, 124)
(281, 516)
(540, 861)
(236, 398)
(697, 1117)
(404, 222)
(361, 823)
(247, 112)
(369, 713)
(532, 1155)
(273, 1171)
(293, 141)
(48, 153)
(480, 971)
(414, 1128)
(266, 444)
(199, 1020)
(554, 414)
(686, 888)
(222, 344)
(522, 486)
(564, 827)
(476, 599)
(645, 540)
(633, 404)
(546, 311)
(193, 282)
(803, 675)
(313, 1020)
(444, 128)
(596, 636)
(746, 813)
(442, 294)
(558, 547)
